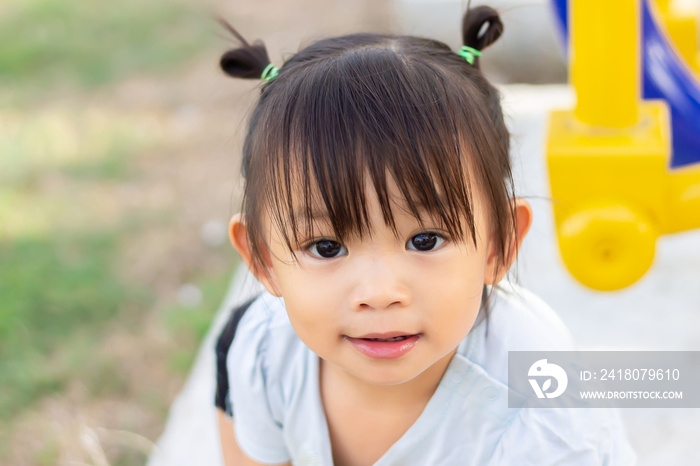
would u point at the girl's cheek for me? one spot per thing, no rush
(313, 265)
(307, 274)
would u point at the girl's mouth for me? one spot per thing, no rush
(384, 348)
(387, 339)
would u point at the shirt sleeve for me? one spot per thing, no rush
(256, 417)
(562, 436)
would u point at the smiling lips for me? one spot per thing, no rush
(391, 345)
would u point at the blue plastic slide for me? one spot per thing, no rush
(665, 75)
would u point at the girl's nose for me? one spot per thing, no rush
(380, 284)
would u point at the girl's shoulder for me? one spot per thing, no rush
(267, 368)
(518, 320)
(266, 354)
(266, 313)
(521, 321)
(265, 335)
(524, 322)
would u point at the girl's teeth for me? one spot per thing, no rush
(388, 339)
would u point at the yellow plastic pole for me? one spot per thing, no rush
(605, 61)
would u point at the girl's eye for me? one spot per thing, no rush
(327, 249)
(426, 241)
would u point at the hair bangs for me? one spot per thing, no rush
(366, 115)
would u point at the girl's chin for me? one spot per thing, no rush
(384, 377)
(377, 372)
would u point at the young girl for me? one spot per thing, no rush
(379, 215)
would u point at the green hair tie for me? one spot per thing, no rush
(469, 53)
(269, 72)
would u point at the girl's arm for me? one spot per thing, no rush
(233, 456)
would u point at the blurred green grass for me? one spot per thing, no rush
(59, 235)
(88, 142)
(190, 324)
(58, 244)
(46, 44)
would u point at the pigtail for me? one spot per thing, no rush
(481, 27)
(248, 61)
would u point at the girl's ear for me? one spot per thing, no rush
(495, 269)
(238, 234)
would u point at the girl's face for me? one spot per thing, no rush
(421, 285)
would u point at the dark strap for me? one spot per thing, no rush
(223, 344)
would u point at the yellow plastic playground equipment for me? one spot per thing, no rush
(614, 185)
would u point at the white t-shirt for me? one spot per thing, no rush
(278, 415)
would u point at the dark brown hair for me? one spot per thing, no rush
(360, 105)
